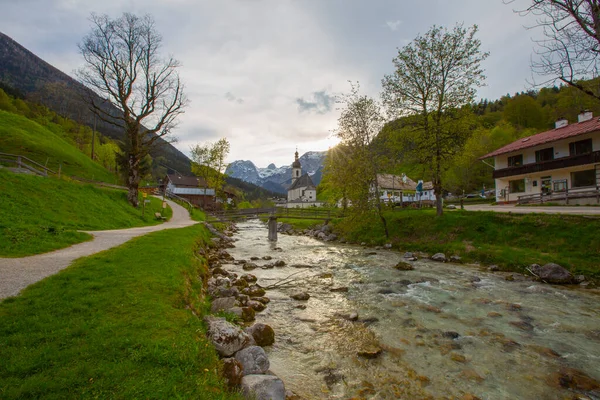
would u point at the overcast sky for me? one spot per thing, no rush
(263, 73)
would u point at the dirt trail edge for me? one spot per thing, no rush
(18, 273)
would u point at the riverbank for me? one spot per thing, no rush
(126, 323)
(510, 241)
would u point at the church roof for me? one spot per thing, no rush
(303, 181)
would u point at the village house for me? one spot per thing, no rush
(302, 192)
(560, 165)
(191, 188)
(403, 190)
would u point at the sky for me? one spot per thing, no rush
(264, 73)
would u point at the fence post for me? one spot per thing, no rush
(19, 161)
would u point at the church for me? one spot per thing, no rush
(302, 190)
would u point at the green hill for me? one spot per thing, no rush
(22, 136)
(40, 214)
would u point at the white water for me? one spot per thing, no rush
(316, 351)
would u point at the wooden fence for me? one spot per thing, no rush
(26, 163)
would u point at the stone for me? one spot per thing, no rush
(369, 352)
(254, 291)
(240, 283)
(249, 278)
(263, 387)
(455, 259)
(300, 307)
(254, 360)
(493, 268)
(509, 278)
(371, 253)
(254, 258)
(326, 275)
(440, 257)
(450, 334)
(552, 273)
(256, 305)
(300, 296)
(219, 271)
(267, 258)
(279, 263)
(523, 325)
(262, 334)
(570, 378)
(222, 304)
(363, 243)
(579, 278)
(232, 372)
(326, 229)
(342, 289)
(404, 266)
(331, 237)
(246, 314)
(268, 266)
(242, 299)
(458, 357)
(408, 254)
(387, 246)
(301, 266)
(249, 266)
(226, 337)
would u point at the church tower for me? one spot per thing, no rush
(296, 169)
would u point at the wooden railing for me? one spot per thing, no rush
(563, 162)
(279, 212)
(566, 196)
(27, 163)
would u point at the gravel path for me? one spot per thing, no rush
(18, 273)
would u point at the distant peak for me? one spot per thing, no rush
(271, 166)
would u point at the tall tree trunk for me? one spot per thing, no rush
(437, 183)
(133, 180)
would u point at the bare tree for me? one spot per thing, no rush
(570, 46)
(435, 77)
(123, 66)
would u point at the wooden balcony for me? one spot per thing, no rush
(564, 162)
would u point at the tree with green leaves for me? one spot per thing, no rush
(123, 66)
(435, 78)
(208, 162)
(355, 162)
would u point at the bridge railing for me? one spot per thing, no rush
(299, 213)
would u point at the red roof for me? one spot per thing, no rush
(553, 135)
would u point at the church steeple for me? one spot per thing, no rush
(296, 168)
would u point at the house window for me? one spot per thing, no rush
(544, 154)
(583, 178)
(581, 147)
(517, 186)
(515, 161)
(560, 186)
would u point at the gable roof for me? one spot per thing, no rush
(553, 135)
(186, 181)
(303, 181)
(394, 182)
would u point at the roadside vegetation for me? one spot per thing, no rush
(119, 324)
(40, 214)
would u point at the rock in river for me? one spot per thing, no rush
(254, 360)
(262, 334)
(226, 337)
(263, 387)
(441, 257)
(552, 273)
(404, 266)
(300, 296)
(222, 304)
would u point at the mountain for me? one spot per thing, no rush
(39, 81)
(278, 179)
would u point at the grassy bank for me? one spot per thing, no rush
(40, 214)
(114, 325)
(512, 241)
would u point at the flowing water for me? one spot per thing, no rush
(445, 331)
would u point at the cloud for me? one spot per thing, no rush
(320, 102)
(393, 25)
(230, 97)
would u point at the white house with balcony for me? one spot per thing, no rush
(560, 165)
(403, 190)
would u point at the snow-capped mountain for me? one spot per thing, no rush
(276, 178)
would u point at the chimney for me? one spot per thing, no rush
(561, 123)
(585, 115)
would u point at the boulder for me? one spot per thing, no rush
(321, 235)
(404, 266)
(441, 257)
(264, 300)
(254, 258)
(219, 271)
(263, 387)
(226, 337)
(455, 259)
(254, 291)
(279, 263)
(300, 296)
(262, 334)
(326, 229)
(222, 304)
(331, 237)
(552, 273)
(408, 254)
(246, 314)
(369, 352)
(240, 283)
(493, 268)
(254, 360)
(340, 289)
(232, 372)
(267, 258)
(249, 278)
(249, 266)
(256, 305)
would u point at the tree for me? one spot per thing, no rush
(523, 111)
(570, 46)
(434, 79)
(357, 160)
(208, 162)
(123, 66)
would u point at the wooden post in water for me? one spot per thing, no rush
(272, 228)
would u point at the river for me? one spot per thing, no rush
(446, 331)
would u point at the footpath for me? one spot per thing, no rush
(18, 273)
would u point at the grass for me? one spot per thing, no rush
(116, 325)
(22, 136)
(40, 214)
(513, 241)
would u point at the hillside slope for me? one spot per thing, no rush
(22, 136)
